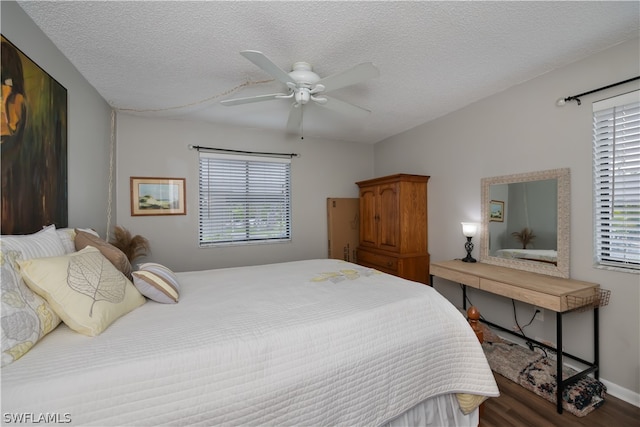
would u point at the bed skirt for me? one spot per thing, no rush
(437, 411)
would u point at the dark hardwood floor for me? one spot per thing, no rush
(517, 406)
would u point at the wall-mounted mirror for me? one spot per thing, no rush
(526, 221)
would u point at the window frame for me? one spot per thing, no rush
(616, 169)
(247, 184)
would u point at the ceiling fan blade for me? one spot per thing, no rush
(294, 124)
(259, 98)
(267, 65)
(345, 108)
(357, 74)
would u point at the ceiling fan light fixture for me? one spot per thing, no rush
(302, 74)
(303, 96)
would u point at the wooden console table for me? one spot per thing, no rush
(552, 293)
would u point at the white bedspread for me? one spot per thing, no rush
(318, 342)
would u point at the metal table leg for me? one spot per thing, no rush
(560, 383)
(464, 297)
(596, 342)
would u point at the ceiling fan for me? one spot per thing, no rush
(304, 86)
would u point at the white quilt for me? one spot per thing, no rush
(318, 342)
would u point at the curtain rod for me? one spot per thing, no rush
(576, 98)
(226, 150)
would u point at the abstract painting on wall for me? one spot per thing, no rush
(34, 145)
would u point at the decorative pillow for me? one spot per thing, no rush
(26, 317)
(83, 288)
(113, 254)
(41, 244)
(68, 235)
(157, 282)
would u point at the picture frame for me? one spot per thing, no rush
(496, 211)
(158, 196)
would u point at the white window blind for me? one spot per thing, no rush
(244, 199)
(616, 161)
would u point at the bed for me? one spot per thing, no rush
(313, 342)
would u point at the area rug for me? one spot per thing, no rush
(537, 373)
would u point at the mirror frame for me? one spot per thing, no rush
(564, 214)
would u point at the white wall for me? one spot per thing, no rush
(522, 130)
(155, 147)
(88, 116)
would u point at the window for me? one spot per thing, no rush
(244, 199)
(616, 162)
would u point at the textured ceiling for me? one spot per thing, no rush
(179, 59)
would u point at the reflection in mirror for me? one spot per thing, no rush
(528, 228)
(526, 221)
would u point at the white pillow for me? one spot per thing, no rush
(157, 282)
(83, 288)
(68, 235)
(45, 242)
(26, 317)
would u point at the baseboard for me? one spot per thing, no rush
(622, 393)
(613, 389)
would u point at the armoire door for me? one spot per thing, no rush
(368, 217)
(388, 209)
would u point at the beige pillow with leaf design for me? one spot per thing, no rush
(83, 288)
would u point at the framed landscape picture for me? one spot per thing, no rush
(496, 212)
(157, 196)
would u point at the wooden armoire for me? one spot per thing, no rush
(393, 226)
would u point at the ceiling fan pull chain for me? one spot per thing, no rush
(301, 129)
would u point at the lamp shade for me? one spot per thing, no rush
(469, 229)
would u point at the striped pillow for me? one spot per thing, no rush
(157, 282)
(44, 243)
